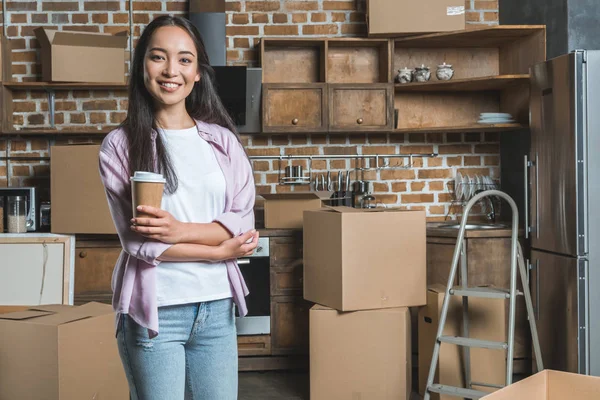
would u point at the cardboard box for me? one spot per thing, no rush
(11, 309)
(360, 355)
(551, 385)
(356, 259)
(389, 18)
(68, 56)
(61, 352)
(285, 210)
(487, 321)
(450, 367)
(79, 202)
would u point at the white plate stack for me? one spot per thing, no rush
(495, 118)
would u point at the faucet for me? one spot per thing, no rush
(491, 216)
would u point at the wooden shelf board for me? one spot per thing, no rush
(49, 131)
(466, 128)
(63, 86)
(497, 82)
(478, 37)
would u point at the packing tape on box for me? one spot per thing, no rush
(455, 10)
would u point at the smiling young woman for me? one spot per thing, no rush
(177, 280)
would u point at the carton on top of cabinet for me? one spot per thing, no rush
(59, 352)
(284, 210)
(360, 259)
(79, 203)
(389, 18)
(551, 385)
(82, 56)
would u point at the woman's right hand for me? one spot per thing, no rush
(239, 246)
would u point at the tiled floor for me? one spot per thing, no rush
(275, 385)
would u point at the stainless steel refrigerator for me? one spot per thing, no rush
(563, 177)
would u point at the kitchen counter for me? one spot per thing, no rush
(437, 229)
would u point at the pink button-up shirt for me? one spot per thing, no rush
(134, 276)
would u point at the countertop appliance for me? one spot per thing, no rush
(563, 175)
(31, 204)
(256, 270)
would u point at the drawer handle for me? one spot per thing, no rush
(359, 121)
(295, 121)
(83, 254)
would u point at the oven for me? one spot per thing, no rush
(256, 271)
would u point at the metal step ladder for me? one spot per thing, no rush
(463, 290)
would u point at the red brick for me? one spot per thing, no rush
(12, 31)
(23, 106)
(261, 165)
(280, 18)
(318, 17)
(301, 5)
(339, 17)
(147, 6)
(18, 119)
(417, 198)
(472, 161)
(319, 29)
(18, 145)
(436, 185)
(80, 18)
(281, 30)
(379, 150)
(100, 105)
(437, 210)
(250, 55)
(84, 28)
(139, 18)
(393, 174)
(398, 186)
(455, 149)
(100, 18)
(242, 30)
(270, 151)
(386, 198)
(491, 160)
(180, 6)
(19, 69)
(24, 56)
(336, 138)
(262, 5)
(339, 5)
(280, 141)
(299, 17)
(241, 43)
(18, 18)
(21, 6)
(337, 150)
(35, 119)
(240, 19)
(97, 118)
(119, 18)
(417, 186)
(487, 149)
(435, 161)
(60, 18)
(20, 170)
(39, 144)
(357, 17)
(435, 173)
(102, 6)
(77, 118)
(472, 16)
(117, 117)
(490, 16)
(233, 6)
(260, 18)
(60, 6)
(301, 150)
(299, 139)
(486, 5)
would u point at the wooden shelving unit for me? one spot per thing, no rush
(466, 128)
(50, 132)
(498, 82)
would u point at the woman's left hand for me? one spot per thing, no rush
(164, 227)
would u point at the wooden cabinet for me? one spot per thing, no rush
(289, 325)
(294, 108)
(286, 266)
(365, 107)
(94, 265)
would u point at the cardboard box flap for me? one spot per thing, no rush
(297, 195)
(346, 209)
(565, 385)
(94, 309)
(54, 308)
(341, 209)
(56, 319)
(25, 315)
(87, 39)
(436, 288)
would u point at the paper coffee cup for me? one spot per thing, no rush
(146, 190)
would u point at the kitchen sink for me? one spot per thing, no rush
(475, 226)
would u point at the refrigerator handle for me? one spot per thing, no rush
(526, 206)
(537, 196)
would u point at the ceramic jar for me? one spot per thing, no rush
(422, 73)
(405, 75)
(444, 72)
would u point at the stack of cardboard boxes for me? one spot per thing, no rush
(363, 268)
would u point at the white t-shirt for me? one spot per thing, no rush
(200, 198)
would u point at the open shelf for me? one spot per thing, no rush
(354, 60)
(466, 128)
(478, 37)
(64, 86)
(50, 131)
(498, 82)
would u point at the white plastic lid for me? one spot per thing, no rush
(143, 176)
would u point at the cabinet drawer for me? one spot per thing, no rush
(255, 345)
(287, 281)
(360, 107)
(289, 325)
(93, 272)
(294, 108)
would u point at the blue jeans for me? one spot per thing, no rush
(193, 357)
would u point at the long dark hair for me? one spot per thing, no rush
(202, 104)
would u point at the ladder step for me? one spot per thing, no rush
(485, 292)
(490, 385)
(457, 392)
(468, 342)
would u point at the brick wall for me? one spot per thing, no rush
(423, 186)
